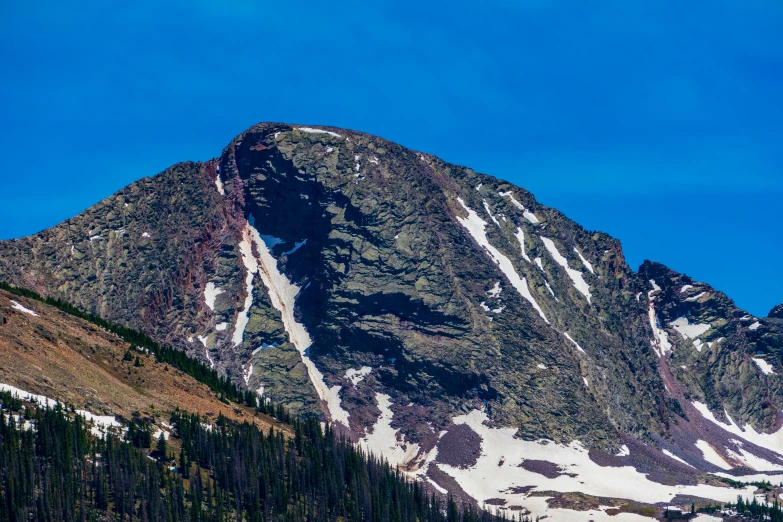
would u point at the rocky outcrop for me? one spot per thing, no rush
(777, 312)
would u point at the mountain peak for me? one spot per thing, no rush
(424, 309)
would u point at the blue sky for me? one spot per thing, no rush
(659, 122)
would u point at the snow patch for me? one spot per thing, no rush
(101, 422)
(584, 261)
(660, 341)
(17, 306)
(146, 234)
(689, 330)
(251, 266)
(575, 275)
(486, 207)
(311, 130)
(587, 385)
(486, 479)
(221, 326)
(541, 366)
(575, 343)
(382, 441)
(712, 456)
(538, 262)
(546, 283)
(696, 297)
(511, 197)
(624, 451)
(246, 374)
(528, 215)
(770, 441)
(520, 235)
(357, 376)
(475, 226)
(764, 366)
(210, 294)
(754, 326)
(219, 185)
(495, 291)
(531, 217)
(685, 288)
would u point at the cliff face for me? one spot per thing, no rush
(393, 294)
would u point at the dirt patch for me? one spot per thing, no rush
(519, 490)
(71, 360)
(459, 447)
(543, 467)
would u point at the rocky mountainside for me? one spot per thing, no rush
(439, 316)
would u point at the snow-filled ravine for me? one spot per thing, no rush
(282, 293)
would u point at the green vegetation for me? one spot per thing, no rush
(755, 510)
(52, 468)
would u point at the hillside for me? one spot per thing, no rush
(47, 352)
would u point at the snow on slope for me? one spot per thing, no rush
(101, 422)
(770, 441)
(575, 275)
(660, 342)
(357, 376)
(689, 330)
(585, 262)
(17, 306)
(318, 131)
(520, 235)
(498, 473)
(382, 440)
(764, 366)
(475, 226)
(711, 455)
(282, 294)
(210, 294)
(251, 266)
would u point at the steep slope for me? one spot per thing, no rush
(408, 300)
(47, 352)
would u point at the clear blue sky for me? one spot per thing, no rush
(659, 122)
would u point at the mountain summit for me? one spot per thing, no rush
(437, 316)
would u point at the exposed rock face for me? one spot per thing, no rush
(391, 292)
(777, 312)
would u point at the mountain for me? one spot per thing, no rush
(777, 312)
(437, 316)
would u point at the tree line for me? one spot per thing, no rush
(52, 468)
